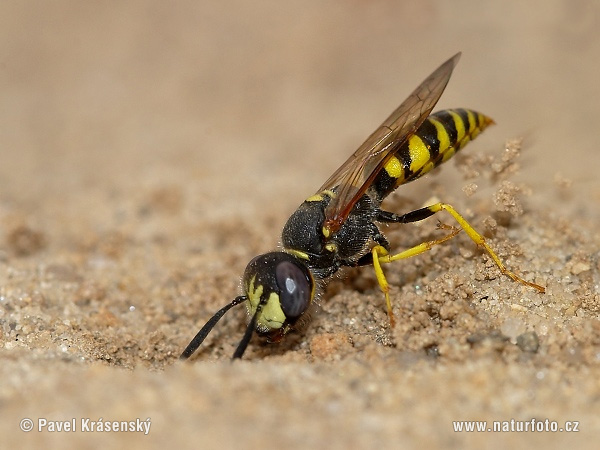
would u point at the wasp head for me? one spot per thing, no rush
(279, 288)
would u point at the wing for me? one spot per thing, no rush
(354, 177)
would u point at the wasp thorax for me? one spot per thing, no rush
(281, 287)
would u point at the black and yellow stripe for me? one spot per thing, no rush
(439, 137)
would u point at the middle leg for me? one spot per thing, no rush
(380, 255)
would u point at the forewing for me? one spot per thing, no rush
(354, 177)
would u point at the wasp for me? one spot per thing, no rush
(338, 226)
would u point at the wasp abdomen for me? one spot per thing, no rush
(438, 138)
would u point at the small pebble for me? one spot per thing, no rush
(528, 342)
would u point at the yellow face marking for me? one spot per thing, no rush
(253, 296)
(326, 231)
(394, 168)
(271, 317)
(459, 124)
(419, 153)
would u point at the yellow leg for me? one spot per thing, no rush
(480, 240)
(378, 251)
(380, 254)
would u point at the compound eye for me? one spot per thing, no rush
(295, 288)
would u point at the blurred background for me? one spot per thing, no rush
(149, 149)
(231, 96)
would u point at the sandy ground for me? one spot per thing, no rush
(150, 150)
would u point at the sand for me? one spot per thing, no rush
(150, 151)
